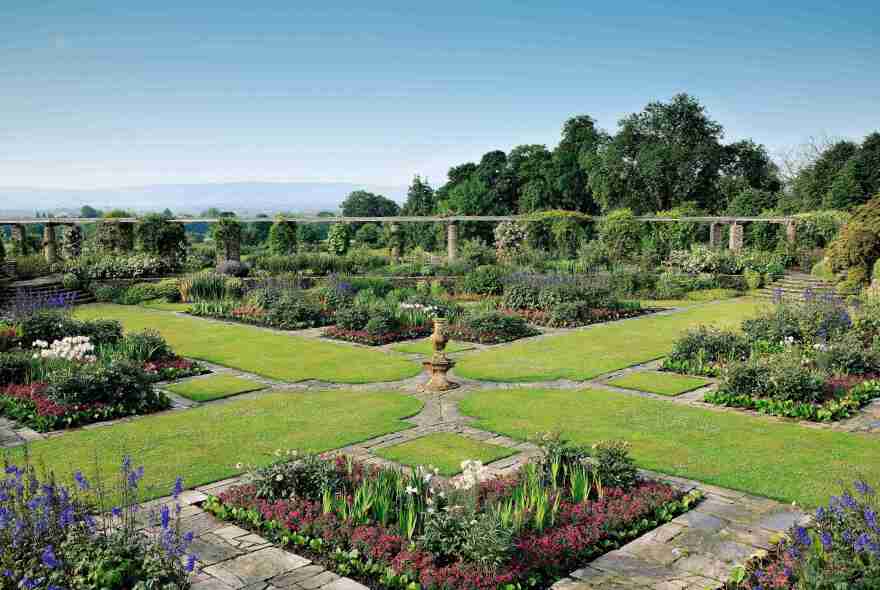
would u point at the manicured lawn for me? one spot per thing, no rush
(205, 389)
(753, 454)
(272, 354)
(204, 444)
(445, 451)
(659, 382)
(424, 347)
(587, 353)
(166, 306)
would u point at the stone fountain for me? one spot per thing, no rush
(439, 364)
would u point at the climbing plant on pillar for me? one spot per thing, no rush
(159, 236)
(71, 244)
(339, 239)
(283, 237)
(227, 237)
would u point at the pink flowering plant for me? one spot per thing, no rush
(395, 529)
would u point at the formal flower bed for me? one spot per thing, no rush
(390, 529)
(378, 339)
(55, 376)
(839, 549)
(576, 315)
(809, 360)
(55, 537)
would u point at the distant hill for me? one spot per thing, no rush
(243, 197)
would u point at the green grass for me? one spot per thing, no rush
(784, 461)
(587, 353)
(275, 355)
(659, 382)
(204, 444)
(445, 451)
(162, 305)
(424, 347)
(205, 389)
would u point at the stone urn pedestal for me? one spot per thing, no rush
(439, 365)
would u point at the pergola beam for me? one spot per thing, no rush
(399, 219)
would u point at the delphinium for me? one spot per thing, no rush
(88, 535)
(839, 549)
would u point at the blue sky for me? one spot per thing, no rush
(102, 94)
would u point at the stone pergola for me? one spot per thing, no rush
(125, 227)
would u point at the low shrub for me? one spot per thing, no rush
(754, 279)
(352, 318)
(51, 325)
(782, 377)
(32, 266)
(122, 384)
(14, 367)
(484, 280)
(704, 345)
(492, 328)
(294, 311)
(233, 268)
(94, 267)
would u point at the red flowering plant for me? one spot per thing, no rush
(396, 529)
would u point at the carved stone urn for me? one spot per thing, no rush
(439, 364)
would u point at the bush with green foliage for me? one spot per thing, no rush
(283, 237)
(32, 266)
(857, 246)
(339, 239)
(484, 280)
(51, 325)
(158, 236)
(491, 328)
(92, 267)
(621, 233)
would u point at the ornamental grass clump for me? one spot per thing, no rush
(89, 535)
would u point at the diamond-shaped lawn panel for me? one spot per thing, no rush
(659, 382)
(205, 389)
(444, 450)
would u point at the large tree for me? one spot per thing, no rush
(859, 179)
(367, 204)
(813, 183)
(571, 189)
(667, 154)
(420, 201)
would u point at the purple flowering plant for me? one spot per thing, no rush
(839, 548)
(89, 534)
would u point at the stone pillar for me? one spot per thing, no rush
(716, 235)
(451, 241)
(19, 241)
(791, 232)
(50, 243)
(125, 236)
(736, 237)
(396, 250)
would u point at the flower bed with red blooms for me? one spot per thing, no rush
(174, 368)
(333, 528)
(28, 404)
(591, 316)
(364, 337)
